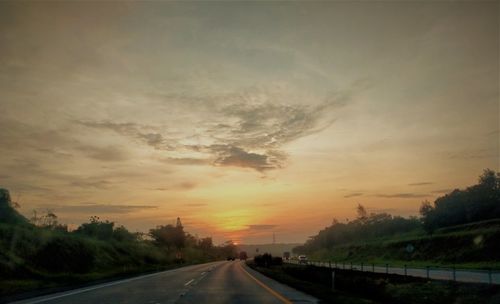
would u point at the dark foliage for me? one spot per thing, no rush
(267, 260)
(363, 228)
(8, 213)
(476, 203)
(102, 230)
(65, 254)
(168, 236)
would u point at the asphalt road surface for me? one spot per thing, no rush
(217, 282)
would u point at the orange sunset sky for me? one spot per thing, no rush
(245, 118)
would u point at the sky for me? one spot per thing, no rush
(244, 119)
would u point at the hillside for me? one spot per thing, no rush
(470, 246)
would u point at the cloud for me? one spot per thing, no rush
(261, 121)
(97, 209)
(18, 136)
(108, 153)
(186, 185)
(196, 205)
(472, 154)
(186, 161)
(382, 210)
(179, 186)
(441, 191)
(261, 227)
(421, 184)
(29, 188)
(403, 195)
(99, 184)
(152, 139)
(353, 194)
(237, 157)
(144, 133)
(246, 129)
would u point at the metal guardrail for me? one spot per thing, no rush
(448, 274)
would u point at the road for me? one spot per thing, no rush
(217, 282)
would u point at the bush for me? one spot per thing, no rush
(65, 254)
(267, 260)
(278, 261)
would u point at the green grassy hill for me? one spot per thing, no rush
(473, 245)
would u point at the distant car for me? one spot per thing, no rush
(302, 259)
(243, 255)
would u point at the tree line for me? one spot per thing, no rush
(41, 247)
(475, 203)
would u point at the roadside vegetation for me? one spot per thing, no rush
(41, 253)
(461, 228)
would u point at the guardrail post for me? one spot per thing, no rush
(361, 266)
(351, 265)
(489, 277)
(387, 268)
(373, 267)
(427, 271)
(405, 271)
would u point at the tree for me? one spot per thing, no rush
(475, 203)
(168, 236)
(205, 243)
(121, 234)
(362, 214)
(96, 228)
(426, 211)
(8, 213)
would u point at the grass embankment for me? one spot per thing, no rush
(363, 287)
(37, 260)
(472, 245)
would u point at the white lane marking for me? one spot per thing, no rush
(94, 288)
(203, 273)
(102, 286)
(189, 282)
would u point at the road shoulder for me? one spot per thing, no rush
(288, 292)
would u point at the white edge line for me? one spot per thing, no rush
(70, 293)
(97, 287)
(189, 282)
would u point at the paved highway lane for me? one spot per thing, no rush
(218, 282)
